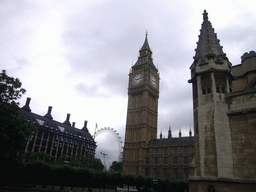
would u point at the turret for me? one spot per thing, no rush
(211, 79)
(169, 133)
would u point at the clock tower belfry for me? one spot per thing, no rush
(142, 112)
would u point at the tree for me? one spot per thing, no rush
(14, 128)
(10, 89)
(116, 166)
(139, 182)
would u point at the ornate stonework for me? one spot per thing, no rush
(224, 117)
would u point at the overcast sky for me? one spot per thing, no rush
(76, 55)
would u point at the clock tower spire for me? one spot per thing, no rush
(142, 112)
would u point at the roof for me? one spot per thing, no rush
(145, 56)
(48, 124)
(208, 43)
(145, 46)
(176, 141)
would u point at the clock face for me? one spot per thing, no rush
(153, 81)
(137, 79)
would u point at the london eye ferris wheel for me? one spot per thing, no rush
(109, 145)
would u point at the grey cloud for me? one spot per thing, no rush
(117, 83)
(90, 91)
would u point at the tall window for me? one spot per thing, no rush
(186, 173)
(185, 159)
(165, 150)
(185, 150)
(147, 160)
(156, 172)
(156, 151)
(165, 172)
(165, 160)
(175, 160)
(175, 150)
(175, 173)
(147, 171)
(211, 189)
(155, 160)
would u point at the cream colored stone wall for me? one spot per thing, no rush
(242, 118)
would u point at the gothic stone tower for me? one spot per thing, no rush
(141, 124)
(211, 80)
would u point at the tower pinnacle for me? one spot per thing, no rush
(169, 133)
(205, 15)
(208, 43)
(145, 46)
(145, 54)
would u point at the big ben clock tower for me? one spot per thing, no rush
(141, 123)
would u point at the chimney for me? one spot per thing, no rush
(85, 126)
(48, 114)
(26, 106)
(73, 124)
(67, 120)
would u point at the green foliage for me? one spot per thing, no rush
(116, 166)
(115, 179)
(10, 89)
(183, 186)
(140, 182)
(129, 180)
(37, 172)
(88, 162)
(14, 129)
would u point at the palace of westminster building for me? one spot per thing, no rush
(143, 152)
(221, 155)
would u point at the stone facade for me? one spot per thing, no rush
(143, 152)
(224, 100)
(141, 124)
(170, 157)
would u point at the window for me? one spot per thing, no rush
(185, 150)
(165, 172)
(147, 171)
(175, 150)
(186, 160)
(155, 160)
(165, 160)
(175, 173)
(156, 151)
(165, 150)
(147, 160)
(175, 160)
(186, 173)
(156, 172)
(40, 122)
(211, 189)
(147, 151)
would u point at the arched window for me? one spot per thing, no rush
(211, 189)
